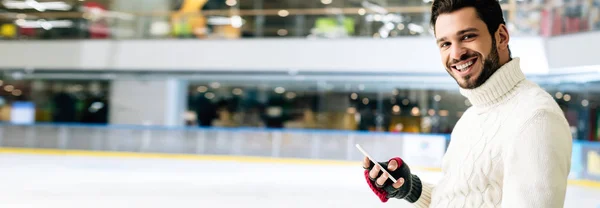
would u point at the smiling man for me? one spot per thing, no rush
(512, 148)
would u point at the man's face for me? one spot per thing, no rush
(468, 51)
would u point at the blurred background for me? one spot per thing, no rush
(278, 79)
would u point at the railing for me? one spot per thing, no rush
(422, 150)
(524, 18)
(314, 144)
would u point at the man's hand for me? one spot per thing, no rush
(375, 172)
(384, 188)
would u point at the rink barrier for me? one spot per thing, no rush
(258, 145)
(290, 143)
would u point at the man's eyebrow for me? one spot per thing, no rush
(441, 39)
(471, 29)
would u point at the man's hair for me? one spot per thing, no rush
(488, 10)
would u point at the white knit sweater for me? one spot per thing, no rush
(512, 148)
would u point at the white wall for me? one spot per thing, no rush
(51, 54)
(408, 54)
(574, 50)
(532, 53)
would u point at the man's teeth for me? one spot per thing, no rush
(464, 66)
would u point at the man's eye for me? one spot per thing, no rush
(466, 37)
(444, 45)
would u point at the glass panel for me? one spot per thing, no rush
(359, 106)
(302, 103)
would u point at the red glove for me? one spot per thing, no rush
(410, 190)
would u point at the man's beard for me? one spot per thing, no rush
(490, 65)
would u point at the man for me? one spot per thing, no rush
(512, 148)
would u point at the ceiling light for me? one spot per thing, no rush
(365, 101)
(40, 6)
(585, 103)
(361, 12)
(283, 13)
(236, 21)
(279, 90)
(396, 109)
(231, 2)
(282, 32)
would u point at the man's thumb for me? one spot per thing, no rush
(393, 165)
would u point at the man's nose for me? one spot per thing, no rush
(457, 52)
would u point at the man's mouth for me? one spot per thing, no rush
(465, 66)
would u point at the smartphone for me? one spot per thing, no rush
(375, 162)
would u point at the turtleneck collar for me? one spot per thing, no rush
(497, 86)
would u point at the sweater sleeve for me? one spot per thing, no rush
(425, 198)
(537, 163)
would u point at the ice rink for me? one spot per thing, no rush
(91, 182)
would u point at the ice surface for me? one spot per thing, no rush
(67, 181)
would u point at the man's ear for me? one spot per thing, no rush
(502, 37)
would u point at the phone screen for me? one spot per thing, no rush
(375, 162)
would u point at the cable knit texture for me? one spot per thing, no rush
(512, 148)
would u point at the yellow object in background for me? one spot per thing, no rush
(43, 115)
(5, 113)
(186, 21)
(189, 22)
(593, 161)
(410, 124)
(8, 31)
(228, 31)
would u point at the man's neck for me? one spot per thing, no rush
(498, 85)
(504, 57)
